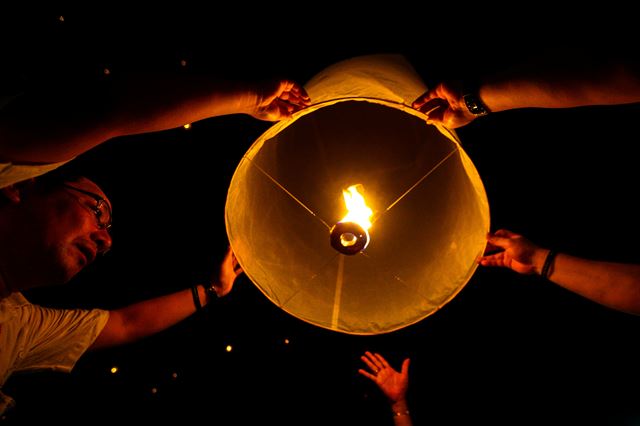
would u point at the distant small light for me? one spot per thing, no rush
(187, 126)
(183, 63)
(286, 341)
(229, 348)
(154, 390)
(114, 370)
(107, 71)
(174, 375)
(61, 18)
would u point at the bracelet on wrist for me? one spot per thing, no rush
(196, 297)
(400, 413)
(544, 273)
(211, 293)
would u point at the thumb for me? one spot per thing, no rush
(422, 99)
(405, 366)
(496, 241)
(506, 233)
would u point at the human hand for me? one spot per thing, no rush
(444, 105)
(517, 253)
(228, 272)
(279, 99)
(392, 383)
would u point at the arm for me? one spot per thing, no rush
(573, 86)
(549, 82)
(614, 285)
(143, 319)
(393, 384)
(51, 127)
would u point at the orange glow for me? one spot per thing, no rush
(357, 208)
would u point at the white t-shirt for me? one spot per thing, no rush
(11, 173)
(34, 338)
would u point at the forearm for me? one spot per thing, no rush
(147, 105)
(61, 124)
(614, 285)
(563, 87)
(146, 318)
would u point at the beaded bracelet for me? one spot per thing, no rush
(211, 293)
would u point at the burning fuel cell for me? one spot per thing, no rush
(356, 215)
(350, 235)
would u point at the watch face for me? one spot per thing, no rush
(474, 105)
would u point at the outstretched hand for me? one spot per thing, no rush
(279, 99)
(392, 383)
(516, 252)
(444, 105)
(229, 271)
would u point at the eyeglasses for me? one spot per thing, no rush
(101, 210)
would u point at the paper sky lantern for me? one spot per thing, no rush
(294, 203)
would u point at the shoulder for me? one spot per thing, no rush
(13, 173)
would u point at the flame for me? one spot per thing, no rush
(357, 208)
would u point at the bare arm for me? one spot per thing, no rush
(566, 87)
(58, 125)
(558, 80)
(143, 319)
(615, 285)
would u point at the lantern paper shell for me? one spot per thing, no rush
(430, 210)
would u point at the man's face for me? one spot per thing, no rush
(72, 226)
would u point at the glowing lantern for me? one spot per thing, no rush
(416, 210)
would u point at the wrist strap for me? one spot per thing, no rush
(475, 105)
(547, 264)
(196, 297)
(471, 98)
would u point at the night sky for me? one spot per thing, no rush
(507, 349)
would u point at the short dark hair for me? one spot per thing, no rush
(68, 173)
(55, 178)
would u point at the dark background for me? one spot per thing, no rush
(508, 349)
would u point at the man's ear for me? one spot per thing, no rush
(14, 192)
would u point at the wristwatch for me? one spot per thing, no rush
(475, 105)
